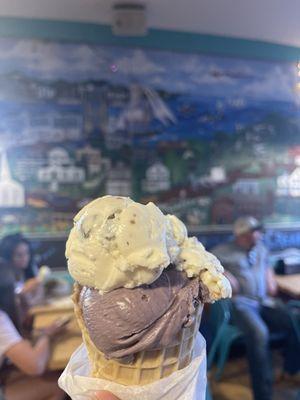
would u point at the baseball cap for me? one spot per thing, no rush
(246, 224)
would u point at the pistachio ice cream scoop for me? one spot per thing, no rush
(116, 242)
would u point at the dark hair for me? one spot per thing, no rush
(8, 302)
(7, 247)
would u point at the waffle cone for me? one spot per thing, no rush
(143, 367)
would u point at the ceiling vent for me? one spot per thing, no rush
(129, 19)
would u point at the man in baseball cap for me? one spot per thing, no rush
(246, 262)
(246, 224)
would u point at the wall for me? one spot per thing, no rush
(206, 127)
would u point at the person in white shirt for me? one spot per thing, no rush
(27, 379)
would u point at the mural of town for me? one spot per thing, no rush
(205, 137)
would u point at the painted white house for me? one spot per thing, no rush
(247, 186)
(60, 170)
(289, 184)
(157, 178)
(216, 176)
(119, 181)
(96, 163)
(12, 193)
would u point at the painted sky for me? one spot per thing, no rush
(175, 72)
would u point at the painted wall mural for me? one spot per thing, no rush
(207, 138)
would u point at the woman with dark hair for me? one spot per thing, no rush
(16, 252)
(25, 378)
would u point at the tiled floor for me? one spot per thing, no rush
(235, 384)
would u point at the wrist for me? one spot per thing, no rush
(47, 338)
(44, 333)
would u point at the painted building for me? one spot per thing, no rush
(246, 186)
(12, 193)
(60, 170)
(119, 181)
(157, 178)
(94, 160)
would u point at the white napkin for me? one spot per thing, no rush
(187, 384)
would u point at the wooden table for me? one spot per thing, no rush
(289, 284)
(66, 343)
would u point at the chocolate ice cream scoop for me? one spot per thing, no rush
(125, 321)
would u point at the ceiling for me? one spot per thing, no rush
(268, 20)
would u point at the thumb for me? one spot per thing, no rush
(104, 395)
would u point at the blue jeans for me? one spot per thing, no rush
(256, 321)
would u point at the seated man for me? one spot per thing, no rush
(245, 260)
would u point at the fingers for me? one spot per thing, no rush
(104, 395)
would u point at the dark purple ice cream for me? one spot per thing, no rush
(125, 321)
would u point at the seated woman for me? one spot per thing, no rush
(23, 364)
(16, 252)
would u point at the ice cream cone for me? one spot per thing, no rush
(143, 367)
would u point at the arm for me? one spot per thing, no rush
(31, 294)
(31, 285)
(272, 287)
(32, 360)
(235, 286)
